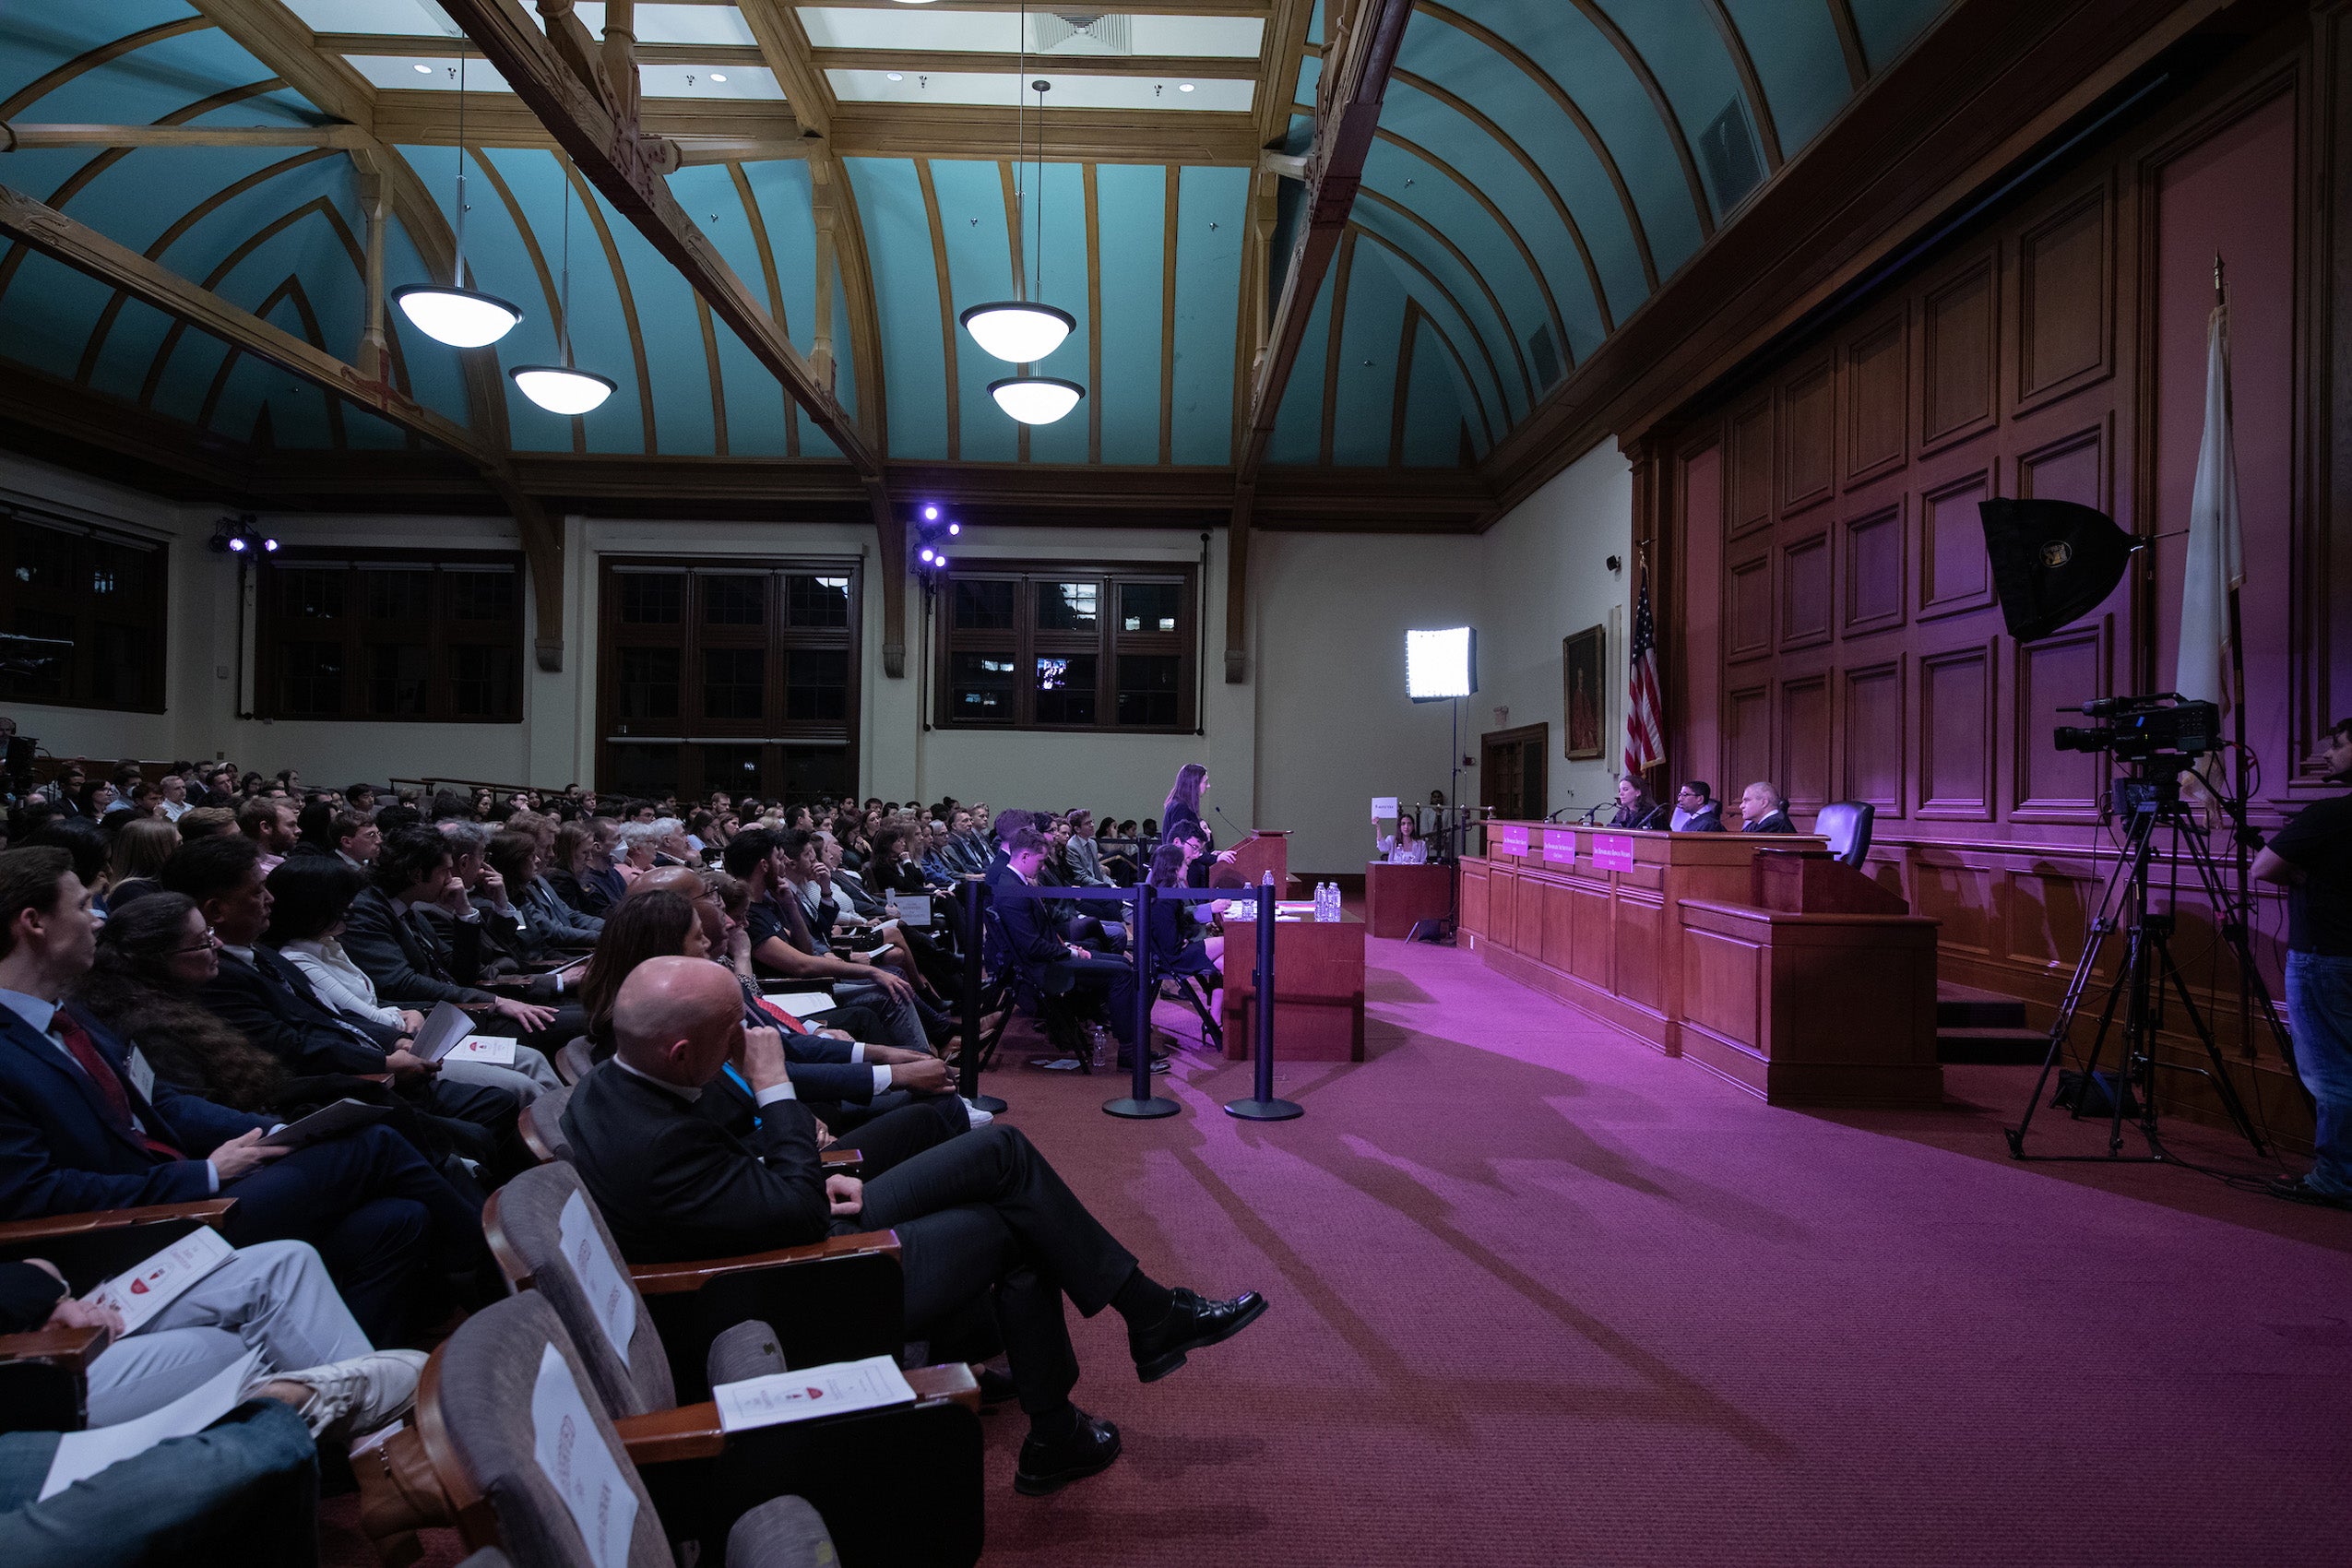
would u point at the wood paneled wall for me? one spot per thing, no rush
(1831, 623)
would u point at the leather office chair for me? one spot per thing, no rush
(1846, 826)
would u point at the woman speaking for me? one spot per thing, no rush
(1182, 811)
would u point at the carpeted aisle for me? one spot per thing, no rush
(1542, 1296)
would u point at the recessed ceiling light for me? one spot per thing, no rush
(718, 75)
(424, 70)
(897, 76)
(1184, 87)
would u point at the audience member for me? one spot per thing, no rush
(270, 824)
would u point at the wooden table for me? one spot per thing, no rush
(1397, 899)
(1318, 989)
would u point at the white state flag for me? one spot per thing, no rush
(2215, 563)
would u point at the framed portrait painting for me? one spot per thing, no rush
(1585, 701)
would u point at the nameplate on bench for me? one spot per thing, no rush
(1613, 851)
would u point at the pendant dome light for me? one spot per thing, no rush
(1020, 330)
(1032, 399)
(564, 389)
(1036, 399)
(459, 317)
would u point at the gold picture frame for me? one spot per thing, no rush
(1583, 697)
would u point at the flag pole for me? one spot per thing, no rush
(2239, 774)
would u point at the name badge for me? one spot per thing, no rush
(142, 1076)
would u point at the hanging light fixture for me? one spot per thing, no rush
(459, 317)
(563, 389)
(1038, 399)
(1019, 330)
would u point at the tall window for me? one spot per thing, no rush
(736, 675)
(103, 593)
(397, 635)
(1037, 647)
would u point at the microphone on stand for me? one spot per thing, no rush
(1592, 811)
(1229, 821)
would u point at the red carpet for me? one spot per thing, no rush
(1541, 1296)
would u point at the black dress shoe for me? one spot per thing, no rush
(1194, 1322)
(1048, 1466)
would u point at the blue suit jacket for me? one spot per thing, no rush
(61, 1153)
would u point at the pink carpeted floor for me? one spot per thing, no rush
(1542, 1296)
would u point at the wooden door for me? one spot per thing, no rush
(1513, 778)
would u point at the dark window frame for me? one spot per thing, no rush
(362, 636)
(84, 613)
(1025, 642)
(709, 749)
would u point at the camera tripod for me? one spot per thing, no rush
(2139, 985)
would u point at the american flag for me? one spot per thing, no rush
(1644, 730)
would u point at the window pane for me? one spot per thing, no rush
(482, 682)
(52, 678)
(649, 683)
(120, 660)
(985, 607)
(310, 680)
(734, 600)
(397, 674)
(312, 593)
(733, 768)
(1149, 607)
(1065, 689)
(734, 683)
(814, 770)
(641, 770)
(1067, 607)
(44, 559)
(980, 688)
(119, 575)
(481, 596)
(1148, 688)
(816, 685)
(819, 601)
(399, 596)
(653, 599)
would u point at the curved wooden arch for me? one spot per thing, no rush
(546, 288)
(586, 198)
(1750, 85)
(1013, 233)
(718, 382)
(758, 221)
(1343, 270)
(856, 268)
(947, 344)
(1434, 232)
(229, 263)
(1849, 43)
(290, 288)
(1476, 335)
(42, 86)
(1461, 366)
(1518, 58)
(1607, 27)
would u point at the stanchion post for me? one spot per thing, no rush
(968, 1073)
(1264, 1107)
(1139, 1101)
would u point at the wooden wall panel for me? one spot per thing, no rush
(1590, 957)
(1748, 613)
(2071, 468)
(1696, 678)
(1804, 769)
(1747, 740)
(1877, 572)
(1955, 574)
(1808, 437)
(1957, 734)
(1871, 723)
(2065, 271)
(1752, 467)
(1877, 380)
(1959, 345)
(1807, 592)
(1723, 986)
(2064, 671)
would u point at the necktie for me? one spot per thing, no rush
(110, 1085)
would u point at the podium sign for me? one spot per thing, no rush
(1613, 851)
(1515, 840)
(1560, 849)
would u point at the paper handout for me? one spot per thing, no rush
(139, 1293)
(834, 1389)
(609, 1296)
(326, 1122)
(444, 1028)
(573, 1455)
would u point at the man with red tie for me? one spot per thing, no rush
(85, 1124)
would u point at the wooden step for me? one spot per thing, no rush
(1989, 1045)
(1967, 1008)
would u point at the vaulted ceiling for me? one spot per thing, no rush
(1539, 168)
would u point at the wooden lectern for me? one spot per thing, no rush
(1268, 848)
(1814, 882)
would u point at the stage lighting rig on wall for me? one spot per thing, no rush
(933, 528)
(237, 536)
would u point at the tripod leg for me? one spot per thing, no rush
(2077, 984)
(2223, 1088)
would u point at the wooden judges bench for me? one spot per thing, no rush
(1758, 957)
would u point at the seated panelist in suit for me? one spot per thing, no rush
(1762, 811)
(981, 1217)
(1696, 810)
(1635, 807)
(86, 1124)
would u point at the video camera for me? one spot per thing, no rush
(2143, 729)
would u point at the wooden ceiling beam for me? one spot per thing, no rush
(1072, 136)
(27, 137)
(1126, 7)
(381, 45)
(1172, 68)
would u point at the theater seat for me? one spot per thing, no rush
(1846, 826)
(542, 1125)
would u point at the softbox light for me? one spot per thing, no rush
(2053, 562)
(1440, 664)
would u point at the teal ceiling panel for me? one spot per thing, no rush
(1451, 230)
(1314, 25)
(45, 316)
(1434, 422)
(1297, 423)
(525, 203)
(1482, 377)
(1887, 27)
(1060, 265)
(34, 42)
(177, 59)
(979, 261)
(1131, 230)
(677, 363)
(1213, 203)
(1797, 56)
(1695, 71)
(1364, 389)
(780, 210)
(906, 287)
(755, 403)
